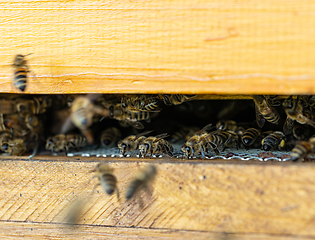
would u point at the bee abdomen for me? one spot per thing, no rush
(20, 78)
(109, 183)
(250, 136)
(272, 117)
(299, 151)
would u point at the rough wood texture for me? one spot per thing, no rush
(181, 46)
(216, 196)
(18, 230)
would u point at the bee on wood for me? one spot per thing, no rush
(251, 136)
(20, 72)
(142, 180)
(156, 145)
(106, 178)
(218, 139)
(295, 112)
(264, 111)
(183, 134)
(131, 143)
(193, 145)
(110, 137)
(302, 149)
(63, 142)
(300, 132)
(273, 140)
(137, 103)
(175, 99)
(131, 118)
(83, 111)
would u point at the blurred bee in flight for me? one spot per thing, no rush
(20, 72)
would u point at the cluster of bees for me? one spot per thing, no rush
(290, 120)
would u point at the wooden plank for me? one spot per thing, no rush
(19, 230)
(236, 197)
(183, 46)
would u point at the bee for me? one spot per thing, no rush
(156, 145)
(15, 147)
(20, 72)
(110, 137)
(295, 112)
(219, 138)
(302, 149)
(300, 132)
(193, 145)
(15, 124)
(131, 143)
(137, 103)
(142, 180)
(37, 105)
(251, 136)
(273, 140)
(183, 134)
(130, 118)
(106, 178)
(83, 111)
(264, 111)
(175, 99)
(63, 142)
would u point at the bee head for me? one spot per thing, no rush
(19, 60)
(5, 146)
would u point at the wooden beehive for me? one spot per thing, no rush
(194, 47)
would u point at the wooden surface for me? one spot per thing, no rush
(19, 230)
(183, 46)
(208, 196)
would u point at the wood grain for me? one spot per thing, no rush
(19, 230)
(183, 46)
(211, 196)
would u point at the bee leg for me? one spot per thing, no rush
(202, 154)
(34, 151)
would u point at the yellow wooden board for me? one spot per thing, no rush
(211, 196)
(183, 46)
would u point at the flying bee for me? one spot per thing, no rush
(130, 118)
(273, 140)
(302, 149)
(83, 111)
(251, 136)
(140, 103)
(156, 145)
(295, 112)
(110, 137)
(63, 142)
(20, 71)
(175, 99)
(300, 132)
(131, 143)
(264, 111)
(183, 133)
(142, 180)
(106, 178)
(193, 145)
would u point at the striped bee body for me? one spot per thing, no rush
(20, 72)
(250, 136)
(302, 149)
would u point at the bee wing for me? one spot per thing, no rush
(137, 125)
(205, 128)
(144, 133)
(67, 125)
(288, 126)
(160, 136)
(260, 120)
